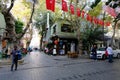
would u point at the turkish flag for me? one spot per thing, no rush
(107, 23)
(95, 20)
(89, 18)
(101, 22)
(83, 13)
(64, 6)
(72, 9)
(50, 5)
(78, 12)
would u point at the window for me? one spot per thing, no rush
(101, 49)
(54, 29)
(66, 28)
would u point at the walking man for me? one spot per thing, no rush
(14, 54)
(110, 54)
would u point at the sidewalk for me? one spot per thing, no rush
(7, 61)
(4, 62)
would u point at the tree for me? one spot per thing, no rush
(40, 17)
(117, 18)
(77, 23)
(41, 24)
(90, 36)
(10, 21)
(30, 20)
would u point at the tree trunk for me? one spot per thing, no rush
(77, 25)
(114, 27)
(79, 42)
(10, 22)
(41, 42)
(11, 35)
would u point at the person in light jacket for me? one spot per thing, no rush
(110, 54)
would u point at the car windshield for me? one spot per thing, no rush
(101, 49)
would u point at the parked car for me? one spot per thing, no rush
(101, 53)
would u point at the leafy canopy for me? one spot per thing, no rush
(18, 26)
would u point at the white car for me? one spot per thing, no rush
(101, 53)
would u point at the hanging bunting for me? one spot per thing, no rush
(91, 19)
(110, 10)
(83, 14)
(50, 5)
(101, 22)
(72, 9)
(78, 12)
(95, 20)
(64, 6)
(107, 24)
(88, 17)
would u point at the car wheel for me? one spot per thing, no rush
(118, 55)
(104, 57)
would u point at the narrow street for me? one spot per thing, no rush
(39, 66)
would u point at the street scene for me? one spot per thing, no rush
(59, 39)
(39, 66)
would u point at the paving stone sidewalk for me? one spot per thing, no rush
(84, 58)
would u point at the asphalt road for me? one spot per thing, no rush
(39, 66)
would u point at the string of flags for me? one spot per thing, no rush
(50, 5)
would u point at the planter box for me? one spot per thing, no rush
(72, 55)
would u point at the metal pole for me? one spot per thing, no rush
(48, 21)
(103, 29)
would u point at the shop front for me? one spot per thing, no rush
(62, 46)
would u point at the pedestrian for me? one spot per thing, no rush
(8, 53)
(94, 52)
(110, 54)
(14, 54)
(29, 50)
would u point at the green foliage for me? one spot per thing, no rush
(91, 35)
(26, 4)
(41, 21)
(18, 26)
(96, 10)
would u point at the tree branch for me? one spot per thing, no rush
(28, 24)
(11, 6)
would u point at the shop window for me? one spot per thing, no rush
(54, 29)
(66, 28)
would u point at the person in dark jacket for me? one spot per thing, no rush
(14, 54)
(94, 52)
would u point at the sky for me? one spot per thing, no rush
(35, 42)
